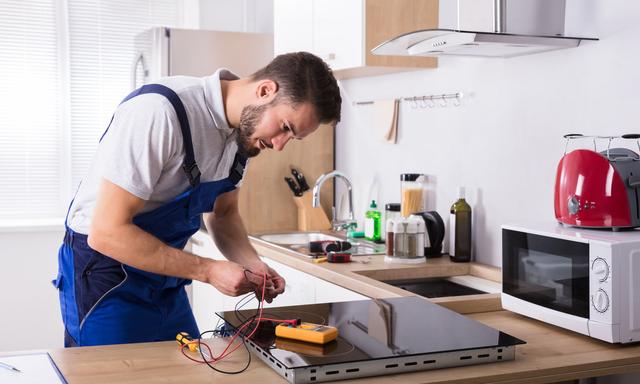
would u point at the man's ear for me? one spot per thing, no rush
(267, 89)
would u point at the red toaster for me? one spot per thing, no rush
(598, 189)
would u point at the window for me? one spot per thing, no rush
(64, 67)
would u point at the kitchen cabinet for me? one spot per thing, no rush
(301, 288)
(343, 32)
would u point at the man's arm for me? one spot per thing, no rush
(230, 236)
(113, 233)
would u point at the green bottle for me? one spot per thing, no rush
(460, 229)
(372, 222)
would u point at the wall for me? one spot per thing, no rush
(30, 316)
(504, 142)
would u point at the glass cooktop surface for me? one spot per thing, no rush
(372, 329)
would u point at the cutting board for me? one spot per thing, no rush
(266, 202)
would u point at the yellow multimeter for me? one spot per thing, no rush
(309, 332)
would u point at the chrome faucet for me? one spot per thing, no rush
(336, 224)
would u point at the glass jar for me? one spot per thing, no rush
(407, 243)
(412, 192)
(391, 212)
(389, 236)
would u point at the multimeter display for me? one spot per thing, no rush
(309, 332)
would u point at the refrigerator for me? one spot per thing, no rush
(164, 52)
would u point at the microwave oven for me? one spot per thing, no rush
(584, 280)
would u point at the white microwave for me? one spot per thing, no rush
(585, 280)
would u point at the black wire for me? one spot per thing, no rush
(239, 306)
(221, 370)
(245, 321)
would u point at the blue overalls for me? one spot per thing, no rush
(106, 302)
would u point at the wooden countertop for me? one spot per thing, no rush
(366, 275)
(550, 355)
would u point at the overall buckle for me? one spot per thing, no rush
(193, 173)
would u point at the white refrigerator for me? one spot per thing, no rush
(172, 51)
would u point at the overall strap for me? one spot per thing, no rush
(189, 165)
(237, 168)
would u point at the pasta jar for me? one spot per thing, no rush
(412, 189)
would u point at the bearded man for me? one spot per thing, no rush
(174, 153)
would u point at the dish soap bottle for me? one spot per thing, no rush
(460, 229)
(372, 222)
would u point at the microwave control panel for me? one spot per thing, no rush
(600, 283)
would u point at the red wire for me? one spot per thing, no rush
(238, 332)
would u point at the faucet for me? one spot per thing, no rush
(336, 225)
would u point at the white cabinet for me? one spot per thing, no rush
(330, 29)
(342, 32)
(301, 288)
(338, 32)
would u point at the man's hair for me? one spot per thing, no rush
(303, 77)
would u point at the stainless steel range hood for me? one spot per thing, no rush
(492, 28)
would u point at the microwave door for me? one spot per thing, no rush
(550, 272)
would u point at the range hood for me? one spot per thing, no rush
(495, 28)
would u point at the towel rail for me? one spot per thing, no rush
(425, 100)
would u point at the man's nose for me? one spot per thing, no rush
(280, 141)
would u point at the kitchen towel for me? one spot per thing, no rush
(386, 118)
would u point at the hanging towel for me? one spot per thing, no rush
(386, 118)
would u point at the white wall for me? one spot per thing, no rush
(30, 313)
(504, 142)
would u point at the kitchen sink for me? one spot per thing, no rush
(299, 242)
(297, 237)
(435, 287)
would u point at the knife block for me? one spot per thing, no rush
(310, 218)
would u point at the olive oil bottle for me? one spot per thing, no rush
(460, 229)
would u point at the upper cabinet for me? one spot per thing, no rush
(343, 32)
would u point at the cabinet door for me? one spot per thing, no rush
(338, 32)
(299, 287)
(327, 292)
(292, 26)
(205, 299)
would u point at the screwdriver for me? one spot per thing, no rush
(183, 338)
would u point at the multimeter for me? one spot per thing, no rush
(309, 332)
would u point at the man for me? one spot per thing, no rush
(172, 152)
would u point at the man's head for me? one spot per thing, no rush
(294, 93)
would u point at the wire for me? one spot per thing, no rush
(245, 323)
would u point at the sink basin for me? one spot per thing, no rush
(435, 287)
(297, 237)
(299, 242)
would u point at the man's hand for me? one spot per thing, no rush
(229, 278)
(275, 283)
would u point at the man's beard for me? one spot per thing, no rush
(249, 118)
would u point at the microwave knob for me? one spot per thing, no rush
(600, 269)
(600, 301)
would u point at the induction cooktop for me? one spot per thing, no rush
(376, 337)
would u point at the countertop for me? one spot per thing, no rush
(551, 355)
(366, 275)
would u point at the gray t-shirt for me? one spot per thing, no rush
(143, 151)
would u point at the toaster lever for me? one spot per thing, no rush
(634, 181)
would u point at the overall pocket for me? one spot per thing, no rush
(96, 274)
